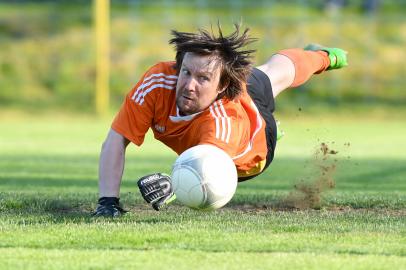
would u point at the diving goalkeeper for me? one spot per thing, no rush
(210, 94)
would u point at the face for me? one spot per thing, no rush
(198, 83)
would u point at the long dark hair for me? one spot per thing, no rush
(235, 63)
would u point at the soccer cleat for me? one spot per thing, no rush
(108, 207)
(338, 57)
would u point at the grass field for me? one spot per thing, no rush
(48, 187)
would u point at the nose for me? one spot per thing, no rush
(190, 84)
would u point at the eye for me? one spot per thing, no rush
(204, 78)
(185, 71)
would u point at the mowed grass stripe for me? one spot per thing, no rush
(304, 231)
(26, 258)
(226, 221)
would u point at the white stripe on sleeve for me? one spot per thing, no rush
(146, 82)
(216, 120)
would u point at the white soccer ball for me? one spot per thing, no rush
(204, 177)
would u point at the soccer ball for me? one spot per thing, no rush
(204, 177)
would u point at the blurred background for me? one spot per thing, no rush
(48, 48)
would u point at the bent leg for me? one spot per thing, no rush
(293, 67)
(280, 71)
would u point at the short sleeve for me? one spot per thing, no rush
(136, 113)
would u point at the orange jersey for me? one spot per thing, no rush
(235, 126)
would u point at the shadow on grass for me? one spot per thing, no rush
(37, 204)
(38, 208)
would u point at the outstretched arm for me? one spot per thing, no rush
(111, 164)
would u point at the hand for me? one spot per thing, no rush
(156, 189)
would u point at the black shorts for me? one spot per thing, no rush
(260, 89)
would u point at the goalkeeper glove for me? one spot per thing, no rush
(156, 189)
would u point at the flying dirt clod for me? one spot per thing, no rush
(307, 194)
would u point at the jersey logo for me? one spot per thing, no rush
(152, 82)
(160, 129)
(223, 121)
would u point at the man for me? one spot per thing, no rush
(210, 95)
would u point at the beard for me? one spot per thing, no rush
(187, 105)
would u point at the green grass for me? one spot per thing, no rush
(48, 187)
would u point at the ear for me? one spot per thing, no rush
(219, 91)
(222, 89)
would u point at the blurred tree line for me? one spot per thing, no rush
(47, 47)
